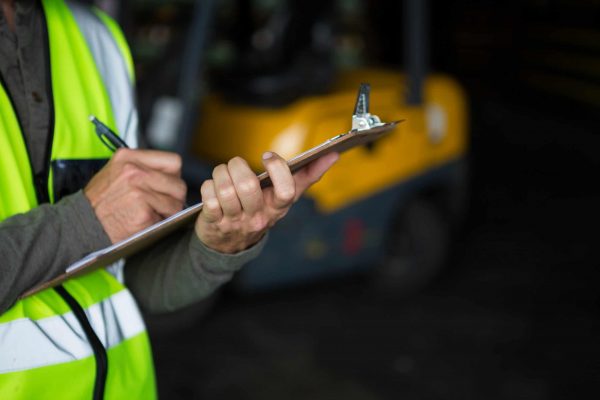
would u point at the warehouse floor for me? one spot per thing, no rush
(515, 315)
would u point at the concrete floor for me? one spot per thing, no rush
(515, 315)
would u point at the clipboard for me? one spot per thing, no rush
(366, 129)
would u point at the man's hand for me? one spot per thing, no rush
(136, 189)
(237, 213)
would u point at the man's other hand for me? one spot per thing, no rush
(237, 213)
(136, 189)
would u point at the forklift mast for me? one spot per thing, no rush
(416, 50)
(190, 90)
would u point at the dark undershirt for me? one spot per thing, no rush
(23, 70)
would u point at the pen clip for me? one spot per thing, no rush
(107, 136)
(106, 142)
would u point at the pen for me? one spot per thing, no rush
(107, 136)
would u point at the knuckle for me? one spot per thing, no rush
(227, 192)
(136, 195)
(128, 167)
(121, 155)
(144, 216)
(232, 226)
(249, 186)
(286, 195)
(131, 171)
(212, 205)
(258, 224)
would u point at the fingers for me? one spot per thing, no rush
(211, 208)
(226, 192)
(162, 204)
(284, 186)
(136, 189)
(154, 172)
(234, 189)
(234, 215)
(169, 163)
(158, 182)
(246, 185)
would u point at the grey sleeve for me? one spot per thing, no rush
(38, 245)
(181, 270)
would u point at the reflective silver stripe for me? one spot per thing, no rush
(116, 269)
(28, 344)
(113, 69)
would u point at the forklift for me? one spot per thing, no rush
(388, 210)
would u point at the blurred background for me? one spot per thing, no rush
(456, 258)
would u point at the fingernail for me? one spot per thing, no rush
(267, 155)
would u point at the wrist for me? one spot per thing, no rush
(216, 261)
(227, 244)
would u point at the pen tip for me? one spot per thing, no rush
(91, 118)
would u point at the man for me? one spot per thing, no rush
(59, 63)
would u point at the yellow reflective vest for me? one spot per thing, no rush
(86, 339)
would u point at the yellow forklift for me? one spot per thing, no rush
(388, 209)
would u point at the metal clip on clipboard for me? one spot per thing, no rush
(362, 119)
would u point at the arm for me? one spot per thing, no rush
(180, 271)
(38, 245)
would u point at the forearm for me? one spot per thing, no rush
(38, 245)
(181, 270)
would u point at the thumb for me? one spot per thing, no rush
(313, 172)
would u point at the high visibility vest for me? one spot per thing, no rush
(44, 347)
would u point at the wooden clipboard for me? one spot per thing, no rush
(153, 233)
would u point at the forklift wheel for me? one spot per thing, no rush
(416, 250)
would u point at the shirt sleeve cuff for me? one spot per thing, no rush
(216, 262)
